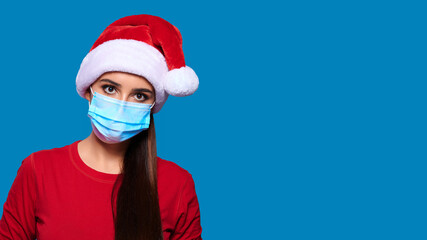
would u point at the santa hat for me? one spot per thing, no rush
(144, 45)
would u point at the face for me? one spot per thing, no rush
(123, 86)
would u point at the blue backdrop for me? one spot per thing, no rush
(309, 121)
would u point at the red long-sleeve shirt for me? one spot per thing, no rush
(55, 195)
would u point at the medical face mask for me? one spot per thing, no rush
(115, 120)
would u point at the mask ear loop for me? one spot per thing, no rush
(92, 95)
(152, 105)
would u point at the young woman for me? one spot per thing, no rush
(112, 185)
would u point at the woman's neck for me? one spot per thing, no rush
(102, 156)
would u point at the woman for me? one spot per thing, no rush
(112, 185)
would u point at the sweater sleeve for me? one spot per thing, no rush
(18, 220)
(188, 225)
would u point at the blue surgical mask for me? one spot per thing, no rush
(115, 120)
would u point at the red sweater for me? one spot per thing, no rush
(55, 195)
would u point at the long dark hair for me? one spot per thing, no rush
(137, 214)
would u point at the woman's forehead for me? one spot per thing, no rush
(124, 79)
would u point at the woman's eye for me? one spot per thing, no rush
(140, 97)
(109, 89)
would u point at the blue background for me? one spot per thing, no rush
(309, 121)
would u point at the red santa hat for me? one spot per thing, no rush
(144, 45)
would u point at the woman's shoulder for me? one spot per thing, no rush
(52, 151)
(170, 169)
(51, 156)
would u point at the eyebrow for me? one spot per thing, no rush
(119, 85)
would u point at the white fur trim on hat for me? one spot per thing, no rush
(132, 56)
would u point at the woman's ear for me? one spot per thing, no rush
(88, 95)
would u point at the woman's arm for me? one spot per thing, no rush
(18, 220)
(188, 226)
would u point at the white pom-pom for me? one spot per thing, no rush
(181, 82)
